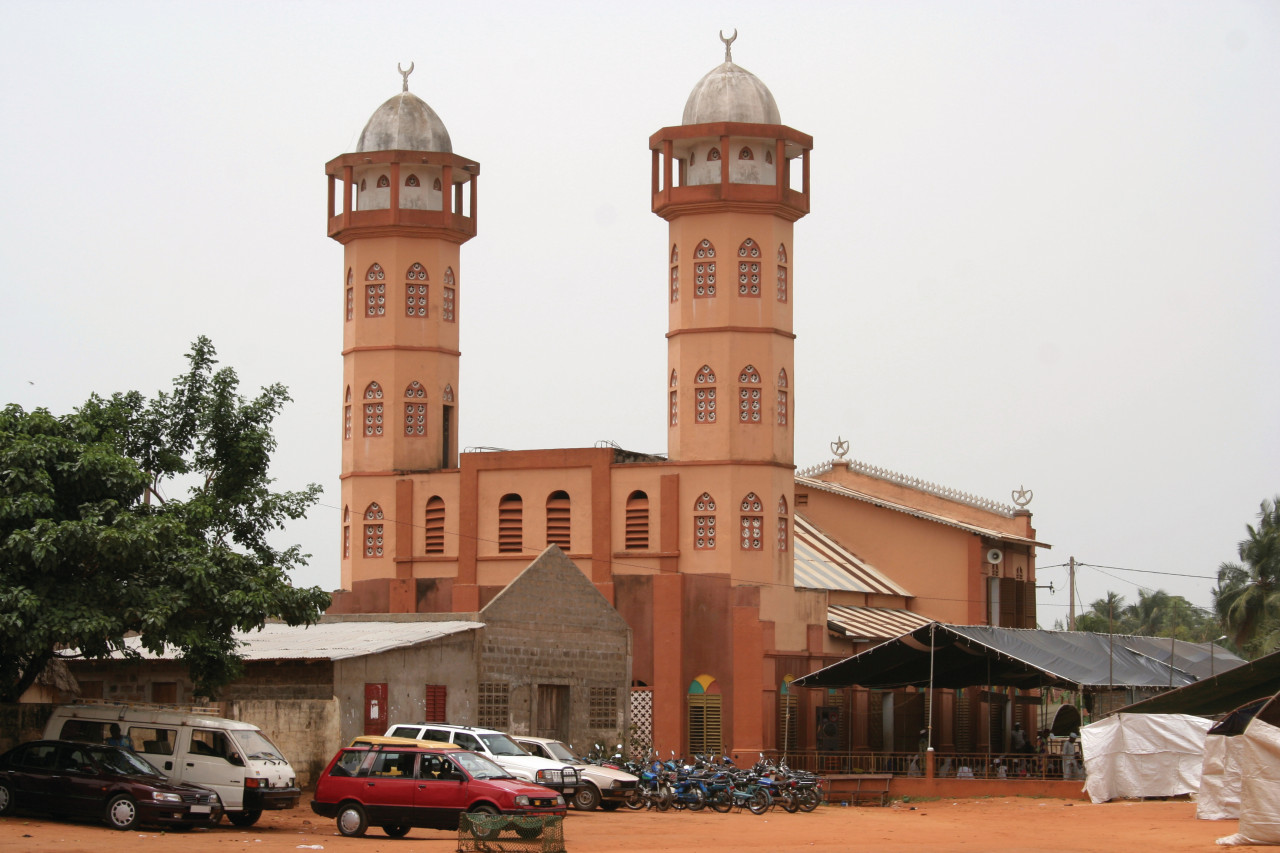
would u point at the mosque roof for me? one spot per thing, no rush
(730, 92)
(405, 123)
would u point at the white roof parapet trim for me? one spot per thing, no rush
(912, 482)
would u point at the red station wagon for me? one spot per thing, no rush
(399, 787)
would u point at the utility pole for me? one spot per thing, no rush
(1071, 594)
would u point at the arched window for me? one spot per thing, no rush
(383, 181)
(346, 414)
(558, 520)
(704, 716)
(435, 185)
(782, 273)
(704, 270)
(705, 395)
(637, 521)
(782, 397)
(415, 291)
(751, 525)
(373, 531)
(510, 524)
(375, 290)
(675, 274)
(749, 395)
(675, 401)
(415, 409)
(346, 532)
(351, 294)
(713, 154)
(373, 410)
(782, 522)
(749, 268)
(447, 311)
(745, 154)
(704, 523)
(362, 185)
(412, 181)
(768, 157)
(434, 525)
(447, 396)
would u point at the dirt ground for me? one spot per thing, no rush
(1005, 824)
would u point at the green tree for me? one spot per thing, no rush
(91, 550)
(1248, 595)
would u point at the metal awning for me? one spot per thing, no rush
(823, 563)
(872, 624)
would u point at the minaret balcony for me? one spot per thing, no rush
(450, 214)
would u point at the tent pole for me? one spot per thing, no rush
(929, 719)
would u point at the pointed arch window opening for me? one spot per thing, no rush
(351, 295)
(704, 395)
(373, 410)
(782, 397)
(704, 523)
(448, 303)
(346, 415)
(675, 274)
(448, 393)
(412, 181)
(375, 292)
(745, 153)
(751, 523)
(415, 291)
(782, 273)
(346, 532)
(704, 715)
(415, 410)
(383, 182)
(749, 395)
(782, 523)
(704, 270)
(674, 399)
(373, 542)
(749, 268)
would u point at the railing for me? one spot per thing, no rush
(961, 765)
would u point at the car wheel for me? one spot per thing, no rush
(6, 798)
(352, 821)
(248, 817)
(122, 812)
(396, 831)
(586, 798)
(610, 805)
(484, 833)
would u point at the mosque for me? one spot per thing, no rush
(735, 571)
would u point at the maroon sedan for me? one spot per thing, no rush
(95, 780)
(399, 787)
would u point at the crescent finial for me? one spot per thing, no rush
(728, 44)
(405, 75)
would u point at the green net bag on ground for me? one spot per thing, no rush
(500, 833)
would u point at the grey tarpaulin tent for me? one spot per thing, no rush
(954, 656)
(1220, 694)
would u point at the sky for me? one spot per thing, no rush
(1043, 249)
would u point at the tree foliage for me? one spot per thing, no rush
(1156, 613)
(91, 549)
(1248, 595)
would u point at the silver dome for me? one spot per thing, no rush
(731, 93)
(407, 123)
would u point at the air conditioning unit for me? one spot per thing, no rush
(995, 556)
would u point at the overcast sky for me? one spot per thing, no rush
(1044, 246)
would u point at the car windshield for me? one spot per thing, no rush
(255, 744)
(501, 745)
(561, 752)
(123, 762)
(479, 767)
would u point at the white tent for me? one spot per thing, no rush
(1143, 755)
(1259, 763)
(1220, 779)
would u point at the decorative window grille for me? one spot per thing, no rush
(641, 721)
(412, 181)
(436, 703)
(674, 397)
(510, 525)
(346, 414)
(383, 181)
(351, 294)
(449, 300)
(603, 710)
(752, 523)
(434, 525)
(373, 409)
(705, 395)
(675, 274)
(713, 154)
(373, 531)
(637, 521)
(782, 523)
(558, 520)
(448, 394)
(749, 266)
(375, 292)
(704, 523)
(704, 723)
(494, 706)
(415, 409)
(782, 273)
(415, 291)
(346, 532)
(704, 269)
(745, 154)
(749, 395)
(782, 397)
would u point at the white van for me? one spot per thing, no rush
(233, 758)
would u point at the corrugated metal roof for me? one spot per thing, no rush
(329, 640)
(869, 624)
(822, 563)
(845, 491)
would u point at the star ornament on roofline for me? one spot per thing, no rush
(840, 447)
(1022, 496)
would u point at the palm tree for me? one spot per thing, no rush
(1248, 595)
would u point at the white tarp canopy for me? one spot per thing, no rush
(1259, 763)
(1143, 755)
(1220, 779)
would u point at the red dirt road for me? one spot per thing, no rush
(1004, 824)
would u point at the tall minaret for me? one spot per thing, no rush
(407, 204)
(723, 182)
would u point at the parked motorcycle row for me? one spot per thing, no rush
(718, 784)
